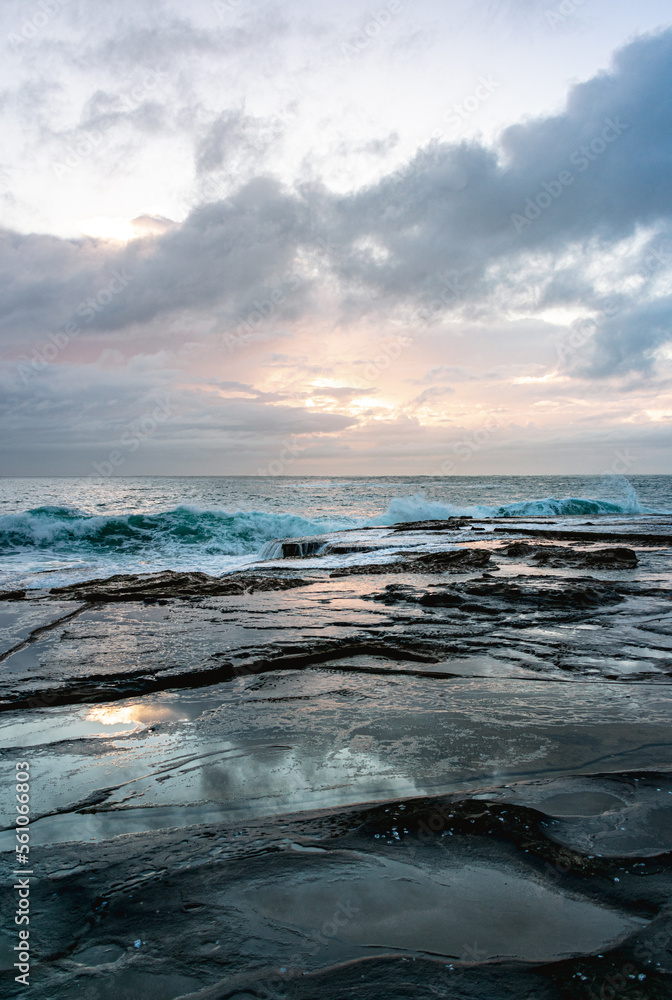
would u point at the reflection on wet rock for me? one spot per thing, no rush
(429, 759)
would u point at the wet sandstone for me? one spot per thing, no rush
(446, 774)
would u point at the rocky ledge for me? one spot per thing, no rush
(386, 764)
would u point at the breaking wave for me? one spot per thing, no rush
(417, 508)
(64, 530)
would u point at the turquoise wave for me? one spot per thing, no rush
(68, 531)
(417, 508)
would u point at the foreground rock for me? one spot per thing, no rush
(459, 898)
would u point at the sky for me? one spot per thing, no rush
(420, 237)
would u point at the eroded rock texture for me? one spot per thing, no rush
(432, 760)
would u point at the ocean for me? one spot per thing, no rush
(56, 531)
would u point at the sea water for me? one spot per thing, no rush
(55, 531)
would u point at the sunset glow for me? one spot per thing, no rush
(366, 244)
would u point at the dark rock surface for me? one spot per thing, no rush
(459, 561)
(168, 585)
(618, 557)
(450, 524)
(445, 775)
(457, 898)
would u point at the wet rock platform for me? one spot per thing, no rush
(432, 760)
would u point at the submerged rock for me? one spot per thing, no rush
(603, 816)
(497, 596)
(362, 788)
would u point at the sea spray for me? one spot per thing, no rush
(64, 530)
(418, 508)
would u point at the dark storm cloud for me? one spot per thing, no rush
(627, 341)
(43, 278)
(226, 252)
(425, 238)
(598, 171)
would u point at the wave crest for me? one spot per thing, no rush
(418, 508)
(213, 532)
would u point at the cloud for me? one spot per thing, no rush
(555, 241)
(443, 373)
(70, 416)
(628, 342)
(427, 238)
(151, 225)
(432, 394)
(343, 393)
(171, 39)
